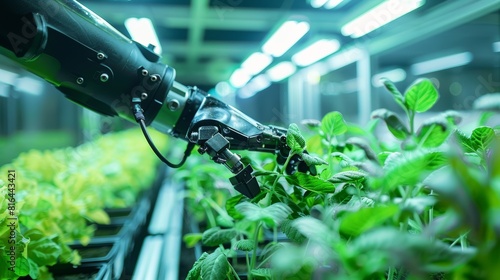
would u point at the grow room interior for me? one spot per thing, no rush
(87, 181)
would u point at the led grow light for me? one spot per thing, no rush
(257, 84)
(142, 31)
(379, 16)
(316, 51)
(281, 71)
(239, 78)
(394, 75)
(285, 37)
(441, 63)
(256, 62)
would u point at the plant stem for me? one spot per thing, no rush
(411, 116)
(390, 273)
(254, 252)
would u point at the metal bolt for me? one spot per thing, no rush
(154, 78)
(173, 104)
(104, 77)
(144, 72)
(79, 80)
(101, 56)
(144, 95)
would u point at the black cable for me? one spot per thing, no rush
(187, 152)
(139, 117)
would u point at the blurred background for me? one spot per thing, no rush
(279, 61)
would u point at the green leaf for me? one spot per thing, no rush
(312, 160)
(34, 270)
(396, 94)
(272, 215)
(432, 135)
(230, 206)
(294, 139)
(191, 239)
(98, 216)
(23, 267)
(363, 145)
(245, 245)
(409, 168)
(464, 141)
(421, 96)
(44, 251)
(215, 266)
(216, 236)
(394, 124)
(333, 124)
(194, 273)
(291, 232)
(355, 223)
(262, 273)
(313, 229)
(312, 183)
(481, 137)
(347, 176)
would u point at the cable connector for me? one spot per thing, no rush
(137, 109)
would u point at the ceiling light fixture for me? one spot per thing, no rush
(441, 63)
(257, 84)
(239, 78)
(142, 31)
(332, 4)
(316, 51)
(256, 62)
(394, 75)
(496, 46)
(285, 37)
(327, 4)
(379, 16)
(281, 71)
(344, 58)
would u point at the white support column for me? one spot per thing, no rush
(295, 99)
(364, 87)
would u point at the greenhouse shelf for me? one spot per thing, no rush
(159, 256)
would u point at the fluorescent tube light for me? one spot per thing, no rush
(239, 78)
(7, 77)
(496, 46)
(394, 75)
(441, 63)
(223, 88)
(285, 37)
(344, 58)
(256, 62)
(318, 3)
(316, 51)
(382, 14)
(281, 71)
(142, 31)
(257, 84)
(332, 4)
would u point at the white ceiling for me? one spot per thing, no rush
(205, 40)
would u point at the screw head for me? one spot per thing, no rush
(104, 77)
(79, 80)
(144, 72)
(173, 105)
(154, 78)
(144, 95)
(101, 56)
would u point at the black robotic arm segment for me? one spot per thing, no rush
(97, 67)
(83, 56)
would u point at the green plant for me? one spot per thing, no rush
(60, 194)
(422, 207)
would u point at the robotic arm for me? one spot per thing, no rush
(99, 68)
